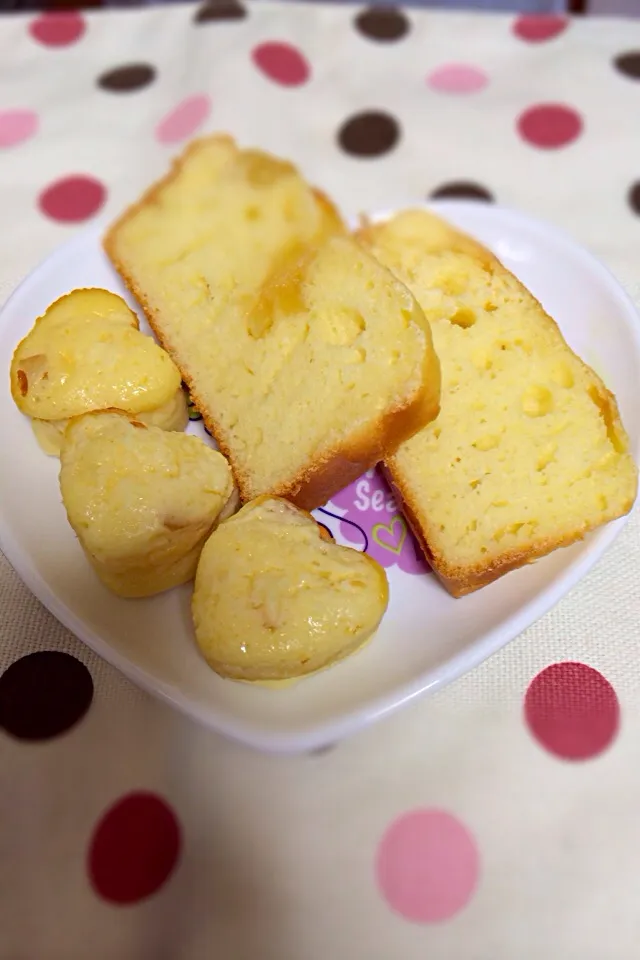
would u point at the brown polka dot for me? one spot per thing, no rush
(43, 694)
(369, 134)
(629, 64)
(463, 189)
(220, 10)
(634, 197)
(126, 79)
(384, 24)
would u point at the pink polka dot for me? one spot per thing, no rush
(16, 126)
(550, 125)
(457, 78)
(427, 866)
(282, 63)
(134, 848)
(184, 120)
(572, 710)
(58, 28)
(72, 199)
(536, 28)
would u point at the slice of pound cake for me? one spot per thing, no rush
(528, 452)
(308, 360)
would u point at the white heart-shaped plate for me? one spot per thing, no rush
(427, 639)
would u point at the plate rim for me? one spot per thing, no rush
(329, 732)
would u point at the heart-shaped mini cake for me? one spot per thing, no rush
(86, 353)
(275, 600)
(141, 500)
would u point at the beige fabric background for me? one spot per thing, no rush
(278, 853)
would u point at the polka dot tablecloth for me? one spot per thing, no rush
(499, 820)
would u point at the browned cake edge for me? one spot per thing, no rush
(321, 479)
(460, 581)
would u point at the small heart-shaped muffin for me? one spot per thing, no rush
(273, 600)
(86, 353)
(142, 501)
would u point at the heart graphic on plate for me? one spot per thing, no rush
(391, 536)
(370, 518)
